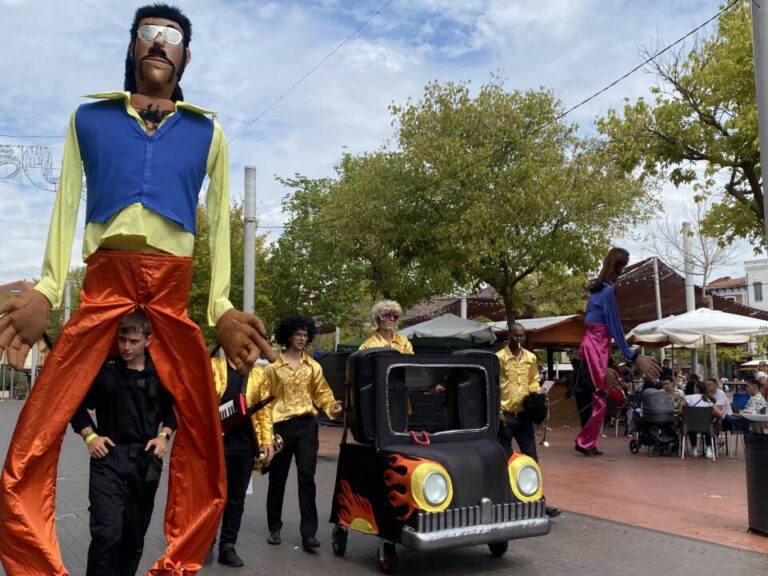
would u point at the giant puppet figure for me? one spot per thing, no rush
(603, 324)
(145, 153)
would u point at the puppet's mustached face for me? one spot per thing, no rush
(158, 62)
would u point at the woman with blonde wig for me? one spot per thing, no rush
(384, 316)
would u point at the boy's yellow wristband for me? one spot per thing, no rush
(90, 437)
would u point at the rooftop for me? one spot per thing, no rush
(727, 282)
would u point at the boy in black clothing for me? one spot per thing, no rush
(126, 449)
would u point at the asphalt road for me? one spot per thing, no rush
(577, 544)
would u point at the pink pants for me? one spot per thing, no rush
(595, 350)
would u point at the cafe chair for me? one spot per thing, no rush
(698, 420)
(740, 427)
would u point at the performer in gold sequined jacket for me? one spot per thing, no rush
(300, 388)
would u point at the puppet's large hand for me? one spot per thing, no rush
(23, 320)
(242, 335)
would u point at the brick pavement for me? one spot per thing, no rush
(577, 544)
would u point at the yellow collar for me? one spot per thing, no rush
(281, 361)
(126, 96)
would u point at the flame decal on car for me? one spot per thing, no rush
(406, 476)
(355, 512)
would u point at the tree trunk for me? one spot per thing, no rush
(510, 307)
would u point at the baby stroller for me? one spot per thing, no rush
(656, 430)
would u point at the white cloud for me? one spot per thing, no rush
(247, 53)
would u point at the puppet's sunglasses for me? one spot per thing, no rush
(149, 32)
(393, 316)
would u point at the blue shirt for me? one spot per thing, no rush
(602, 309)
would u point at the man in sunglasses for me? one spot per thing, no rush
(145, 153)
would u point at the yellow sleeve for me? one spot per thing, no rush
(408, 348)
(367, 344)
(61, 232)
(217, 204)
(504, 386)
(533, 376)
(320, 391)
(219, 367)
(258, 389)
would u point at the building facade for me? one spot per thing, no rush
(757, 283)
(733, 289)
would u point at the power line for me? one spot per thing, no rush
(583, 102)
(503, 146)
(560, 116)
(28, 136)
(24, 222)
(312, 70)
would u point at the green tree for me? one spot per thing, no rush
(380, 225)
(305, 273)
(702, 114)
(516, 192)
(201, 271)
(75, 276)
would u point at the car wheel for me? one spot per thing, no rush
(339, 540)
(387, 557)
(498, 549)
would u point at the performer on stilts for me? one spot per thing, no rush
(603, 323)
(145, 153)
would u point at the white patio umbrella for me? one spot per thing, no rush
(711, 326)
(648, 332)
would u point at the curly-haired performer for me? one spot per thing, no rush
(145, 154)
(603, 323)
(298, 383)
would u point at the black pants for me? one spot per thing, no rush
(122, 495)
(300, 439)
(520, 429)
(239, 468)
(583, 405)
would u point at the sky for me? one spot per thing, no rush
(247, 54)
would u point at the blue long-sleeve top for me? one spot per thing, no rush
(602, 309)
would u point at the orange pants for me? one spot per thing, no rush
(115, 284)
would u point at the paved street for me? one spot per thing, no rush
(578, 544)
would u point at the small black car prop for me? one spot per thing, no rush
(425, 469)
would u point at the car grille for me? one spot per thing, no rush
(485, 513)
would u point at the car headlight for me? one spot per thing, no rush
(524, 477)
(435, 488)
(431, 487)
(528, 480)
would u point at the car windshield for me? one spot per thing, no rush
(437, 398)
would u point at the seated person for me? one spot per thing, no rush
(755, 405)
(726, 420)
(676, 394)
(690, 384)
(702, 399)
(656, 399)
(619, 391)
